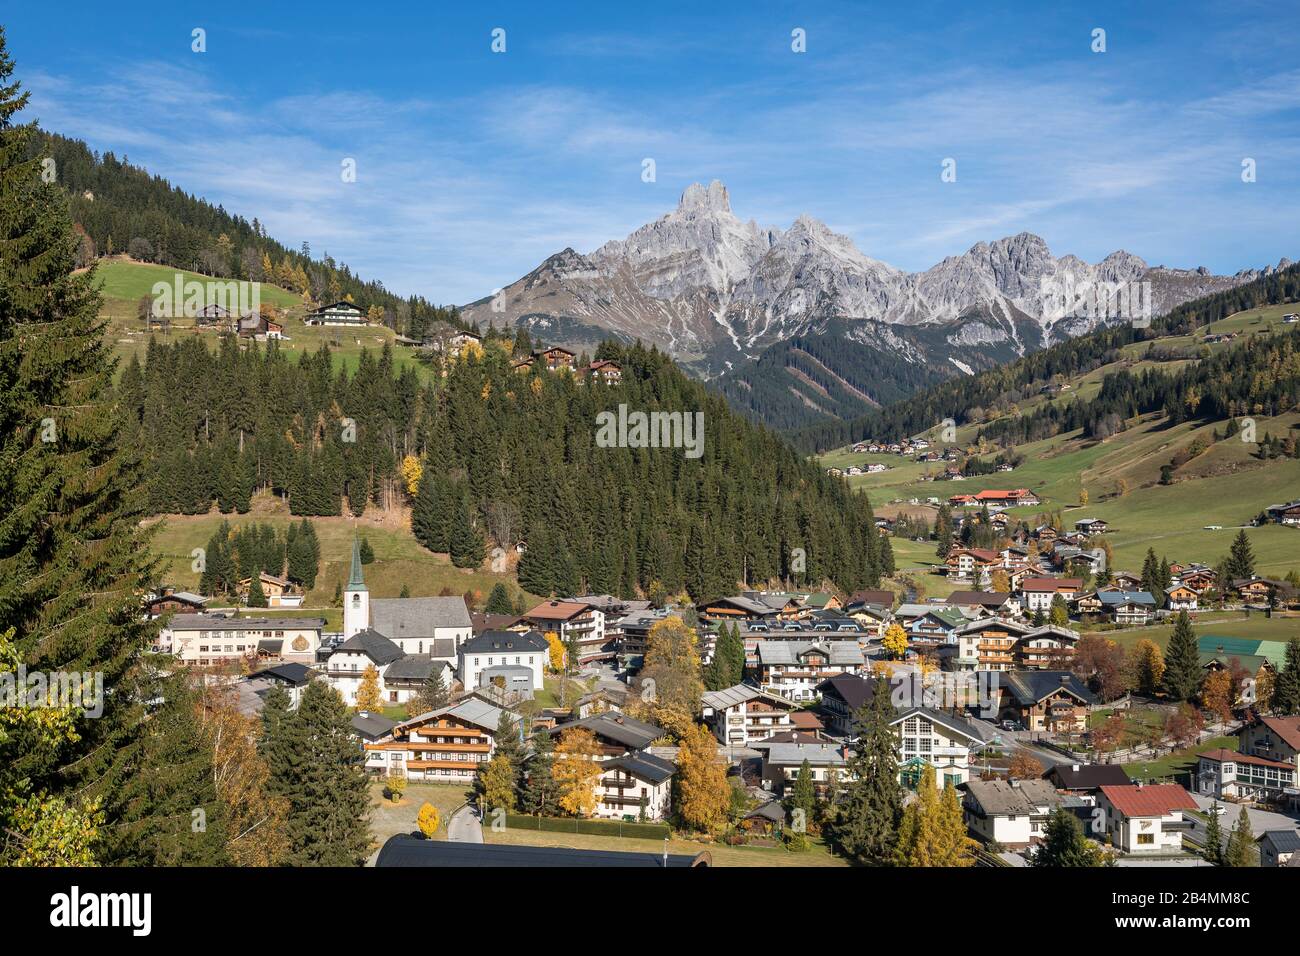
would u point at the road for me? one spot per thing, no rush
(464, 826)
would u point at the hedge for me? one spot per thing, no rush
(614, 828)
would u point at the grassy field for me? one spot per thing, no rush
(399, 558)
(1224, 486)
(1253, 625)
(123, 281)
(1177, 766)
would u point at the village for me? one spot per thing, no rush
(1005, 689)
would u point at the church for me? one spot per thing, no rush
(407, 640)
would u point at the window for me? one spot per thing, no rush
(1146, 839)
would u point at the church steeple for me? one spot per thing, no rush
(356, 597)
(356, 582)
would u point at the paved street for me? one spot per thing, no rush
(464, 827)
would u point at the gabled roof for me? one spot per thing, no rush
(954, 724)
(1117, 598)
(818, 754)
(557, 611)
(850, 688)
(1011, 798)
(411, 618)
(1282, 841)
(741, 693)
(291, 673)
(986, 623)
(842, 653)
(879, 597)
(1220, 754)
(1148, 800)
(490, 642)
(372, 725)
(1288, 728)
(412, 667)
(1051, 584)
(1089, 776)
(643, 765)
(374, 645)
(1031, 686)
(472, 710)
(620, 728)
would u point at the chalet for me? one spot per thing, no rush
(841, 698)
(259, 327)
(1259, 590)
(1128, 607)
(212, 314)
(1126, 581)
(1086, 780)
(1052, 701)
(634, 628)
(1179, 597)
(606, 371)
(511, 659)
(1091, 526)
(742, 714)
(371, 728)
(168, 600)
(994, 602)
(1146, 818)
(741, 608)
(279, 592)
(1087, 604)
(1010, 813)
(793, 669)
(555, 358)
(206, 639)
(827, 762)
(1288, 514)
(1015, 497)
(337, 313)
(935, 625)
(1037, 594)
(616, 734)
(873, 598)
(445, 745)
(1198, 580)
(635, 786)
(1273, 738)
(1046, 646)
(971, 564)
(1254, 657)
(576, 623)
(524, 364)
(1232, 775)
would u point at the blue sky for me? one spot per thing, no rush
(473, 166)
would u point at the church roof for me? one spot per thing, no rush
(355, 581)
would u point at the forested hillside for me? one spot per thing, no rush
(507, 458)
(996, 392)
(121, 208)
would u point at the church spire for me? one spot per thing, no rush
(356, 582)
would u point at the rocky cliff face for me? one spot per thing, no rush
(714, 291)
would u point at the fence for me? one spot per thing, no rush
(614, 828)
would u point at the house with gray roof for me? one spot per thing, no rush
(1010, 812)
(744, 713)
(793, 669)
(496, 649)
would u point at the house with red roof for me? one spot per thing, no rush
(1146, 818)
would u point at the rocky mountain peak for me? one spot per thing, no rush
(698, 198)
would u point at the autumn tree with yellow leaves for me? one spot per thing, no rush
(895, 641)
(703, 794)
(576, 771)
(368, 696)
(933, 832)
(672, 663)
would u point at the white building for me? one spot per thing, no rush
(633, 785)
(742, 714)
(502, 649)
(1012, 813)
(206, 639)
(1146, 818)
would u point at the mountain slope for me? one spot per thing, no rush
(716, 292)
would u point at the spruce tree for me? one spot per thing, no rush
(868, 817)
(1241, 558)
(498, 601)
(1285, 700)
(73, 557)
(1214, 849)
(804, 796)
(1241, 850)
(256, 596)
(433, 695)
(466, 544)
(1183, 672)
(541, 795)
(316, 766)
(1065, 845)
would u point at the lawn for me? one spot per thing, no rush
(399, 558)
(722, 855)
(1178, 765)
(1252, 625)
(389, 819)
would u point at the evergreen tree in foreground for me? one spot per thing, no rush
(1065, 845)
(541, 793)
(1183, 671)
(1213, 852)
(73, 559)
(498, 601)
(868, 817)
(1286, 686)
(316, 766)
(1240, 850)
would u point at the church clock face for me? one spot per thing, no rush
(300, 643)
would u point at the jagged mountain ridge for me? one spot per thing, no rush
(716, 292)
